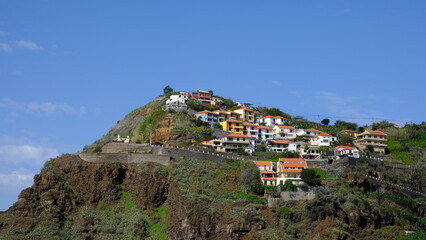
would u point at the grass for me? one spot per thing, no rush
(266, 159)
(323, 173)
(158, 230)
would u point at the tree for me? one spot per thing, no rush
(325, 121)
(361, 129)
(167, 90)
(370, 149)
(310, 177)
(218, 126)
(288, 184)
(345, 125)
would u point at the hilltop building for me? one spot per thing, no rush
(376, 139)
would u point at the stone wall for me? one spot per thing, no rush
(296, 196)
(125, 158)
(126, 148)
(199, 154)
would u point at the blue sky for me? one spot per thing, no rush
(70, 69)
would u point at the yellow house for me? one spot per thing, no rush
(248, 115)
(232, 125)
(351, 133)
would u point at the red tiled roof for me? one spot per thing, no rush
(205, 111)
(267, 172)
(376, 133)
(282, 126)
(344, 148)
(271, 179)
(265, 127)
(313, 130)
(263, 163)
(237, 135)
(249, 124)
(293, 162)
(281, 142)
(249, 110)
(348, 131)
(325, 134)
(233, 120)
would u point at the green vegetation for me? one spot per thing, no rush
(167, 90)
(322, 173)
(148, 125)
(158, 229)
(311, 177)
(325, 121)
(97, 149)
(289, 186)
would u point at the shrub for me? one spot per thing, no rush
(310, 177)
(97, 149)
(289, 186)
(284, 212)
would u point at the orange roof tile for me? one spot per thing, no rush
(325, 134)
(237, 135)
(249, 124)
(282, 126)
(376, 133)
(265, 127)
(263, 163)
(281, 142)
(205, 111)
(313, 130)
(267, 172)
(292, 170)
(249, 110)
(270, 179)
(348, 131)
(233, 120)
(293, 162)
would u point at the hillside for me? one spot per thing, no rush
(193, 198)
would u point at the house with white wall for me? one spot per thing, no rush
(208, 117)
(265, 133)
(284, 132)
(250, 130)
(267, 173)
(290, 168)
(271, 121)
(346, 151)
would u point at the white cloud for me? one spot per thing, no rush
(44, 107)
(5, 47)
(18, 178)
(28, 154)
(29, 45)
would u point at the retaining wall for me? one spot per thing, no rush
(126, 148)
(199, 154)
(125, 158)
(295, 196)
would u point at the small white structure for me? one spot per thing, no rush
(346, 151)
(244, 105)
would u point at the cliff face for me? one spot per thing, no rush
(195, 199)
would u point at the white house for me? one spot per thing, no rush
(271, 121)
(278, 145)
(284, 132)
(323, 139)
(265, 133)
(310, 152)
(177, 102)
(208, 117)
(346, 151)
